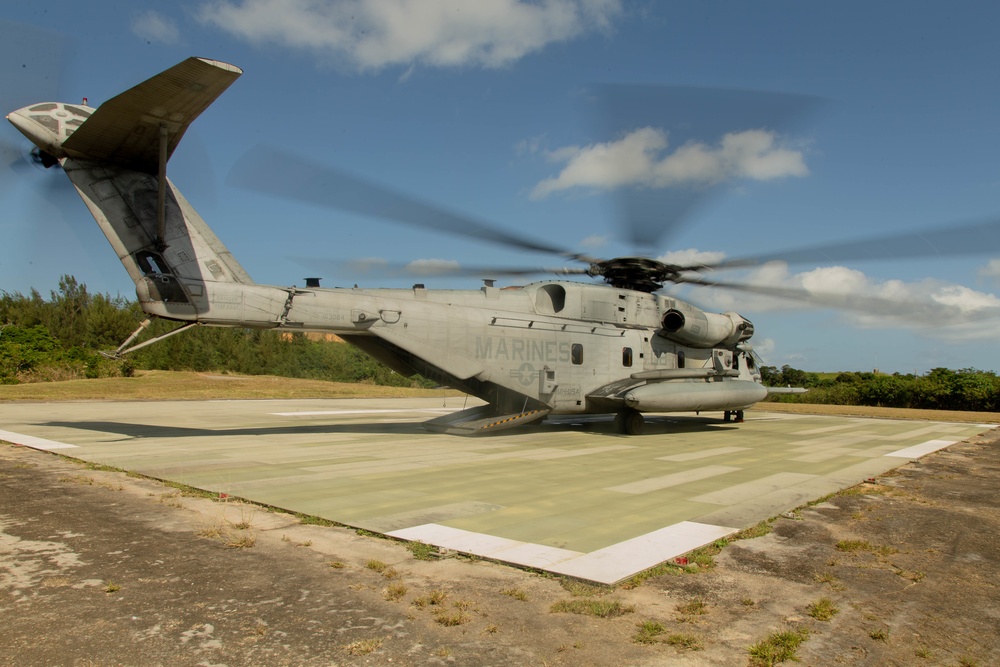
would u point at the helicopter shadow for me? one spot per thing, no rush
(601, 425)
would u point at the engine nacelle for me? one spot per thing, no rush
(705, 330)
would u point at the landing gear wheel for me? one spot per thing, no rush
(739, 416)
(629, 422)
(727, 416)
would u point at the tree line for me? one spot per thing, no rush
(939, 389)
(61, 338)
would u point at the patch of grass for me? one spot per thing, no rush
(689, 610)
(422, 550)
(684, 642)
(648, 632)
(880, 635)
(602, 608)
(491, 629)
(451, 619)
(376, 565)
(242, 541)
(923, 652)
(823, 609)
(309, 520)
(515, 593)
(967, 661)
(363, 646)
(433, 599)
(394, 592)
(336, 565)
(758, 530)
(111, 587)
(578, 589)
(748, 602)
(777, 647)
(850, 546)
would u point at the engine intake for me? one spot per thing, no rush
(705, 330)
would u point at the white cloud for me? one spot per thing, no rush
(640, 158)
(154, 27)
(372, 34)
(991, 270)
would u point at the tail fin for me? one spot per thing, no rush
(116, 155)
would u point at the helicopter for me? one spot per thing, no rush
(551, 347)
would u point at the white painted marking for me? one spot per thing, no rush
(33, 442)
(924, 448)
(317, 413)
(703, 454)
(488, 546)
(608, 566)
(676, 479)
(612, 564)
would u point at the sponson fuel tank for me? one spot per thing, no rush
(685, 396)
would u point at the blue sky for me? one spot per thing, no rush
(482, 107)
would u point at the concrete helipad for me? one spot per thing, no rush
(569, 496)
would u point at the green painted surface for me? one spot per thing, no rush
(574, 484)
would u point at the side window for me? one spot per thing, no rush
(680, 359)
(626, 356)
(577, 354)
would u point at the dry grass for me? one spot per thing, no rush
(176, 385)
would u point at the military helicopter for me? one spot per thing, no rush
(552, 347)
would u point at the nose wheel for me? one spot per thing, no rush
(733, 415)
(629, 422)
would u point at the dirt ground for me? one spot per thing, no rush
(101, 568)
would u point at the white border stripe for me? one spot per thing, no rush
(33, 442)
(607, 566)
(924, 448)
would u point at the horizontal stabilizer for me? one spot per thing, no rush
(125, 129)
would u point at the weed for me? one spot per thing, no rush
(601, 608)
(685, 642)
(376, 565)
(688, 610)
(923, 652)
(422, 550)
(307, 543)
(759, 530)
(394, 592)
(880, 635)
(260, 628)
(363, 646)
(823, 609)
(966, 661)
(863, 545)
(336, 565)
(748, 602)
(515, 593)
(450, 619)
(310, 520)
(434, 598)
(244, 541)
(648, 633)
(491, 629)
(111, 587)
(444, 652)
(578, 589)
(777, 647)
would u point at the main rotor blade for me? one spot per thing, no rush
(276, 172)
(428, 268)
(971, 238)
(926, 311)
(651, 214)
